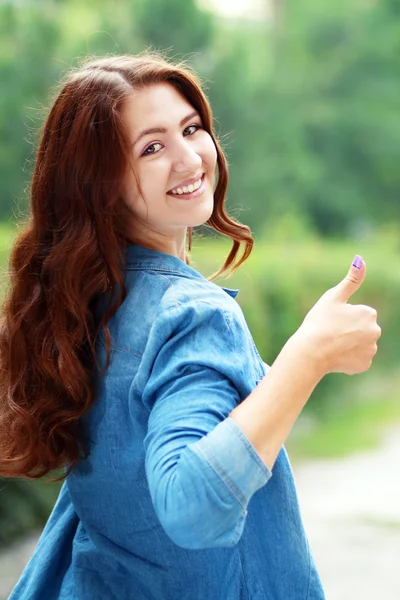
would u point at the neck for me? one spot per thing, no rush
(174, 245)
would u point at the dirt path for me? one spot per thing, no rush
(351, 508)
(12, 563)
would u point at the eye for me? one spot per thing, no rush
(191, 129)
(152, 149)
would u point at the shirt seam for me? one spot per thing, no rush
(226, 480)
(121, 349)
(225, 314)
(254, 455)
(130, 267)
(243, 574)
(177, 304)
(171, 285)
(238, 529)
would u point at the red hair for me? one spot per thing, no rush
(70, 255)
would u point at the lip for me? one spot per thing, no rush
(191, 195)
(187, 182)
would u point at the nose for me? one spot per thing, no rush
(186, 159)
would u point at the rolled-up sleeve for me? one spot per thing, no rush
(201, 468)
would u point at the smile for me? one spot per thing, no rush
(189, 191)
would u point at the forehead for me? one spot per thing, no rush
(156, 105)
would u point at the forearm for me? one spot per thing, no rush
(201, 497)
(268, 414)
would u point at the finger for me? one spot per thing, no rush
(353, 280)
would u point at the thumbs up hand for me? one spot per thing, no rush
(342, 336)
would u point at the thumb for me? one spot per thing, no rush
(353, 280)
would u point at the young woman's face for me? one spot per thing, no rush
(175, 161)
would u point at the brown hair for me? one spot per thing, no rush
(70, 255)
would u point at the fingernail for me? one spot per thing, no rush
(357, 262)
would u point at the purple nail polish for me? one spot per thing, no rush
(357, 262)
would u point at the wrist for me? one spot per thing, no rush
(304, 347)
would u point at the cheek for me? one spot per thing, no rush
(210, 153)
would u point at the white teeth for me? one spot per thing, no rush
(188, 189)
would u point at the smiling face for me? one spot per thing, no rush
(174, 159)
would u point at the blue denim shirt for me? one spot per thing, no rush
(173, 502)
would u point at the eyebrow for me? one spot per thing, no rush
(163, 129)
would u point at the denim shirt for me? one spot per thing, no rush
(173, 502)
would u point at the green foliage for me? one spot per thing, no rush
(307, 106)
(175, 25)
(308, 112)
(284, 278)
(25, 505)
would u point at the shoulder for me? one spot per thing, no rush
(162, 293)
(160, 303)
(199, 301)
(169, 318)
(183, 307)
(184, 292)
(200, 329)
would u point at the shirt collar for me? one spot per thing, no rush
(140, 257)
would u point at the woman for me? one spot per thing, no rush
(125, 366)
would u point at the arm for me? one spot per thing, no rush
(201, 469)
(335, 337)
(270, 411)
(213, 439)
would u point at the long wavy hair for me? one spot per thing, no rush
(70, 255)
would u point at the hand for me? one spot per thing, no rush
(342, 337)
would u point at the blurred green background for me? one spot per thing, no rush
(306, 99)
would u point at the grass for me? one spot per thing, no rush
(359, 422)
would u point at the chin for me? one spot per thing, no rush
(201, 216)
